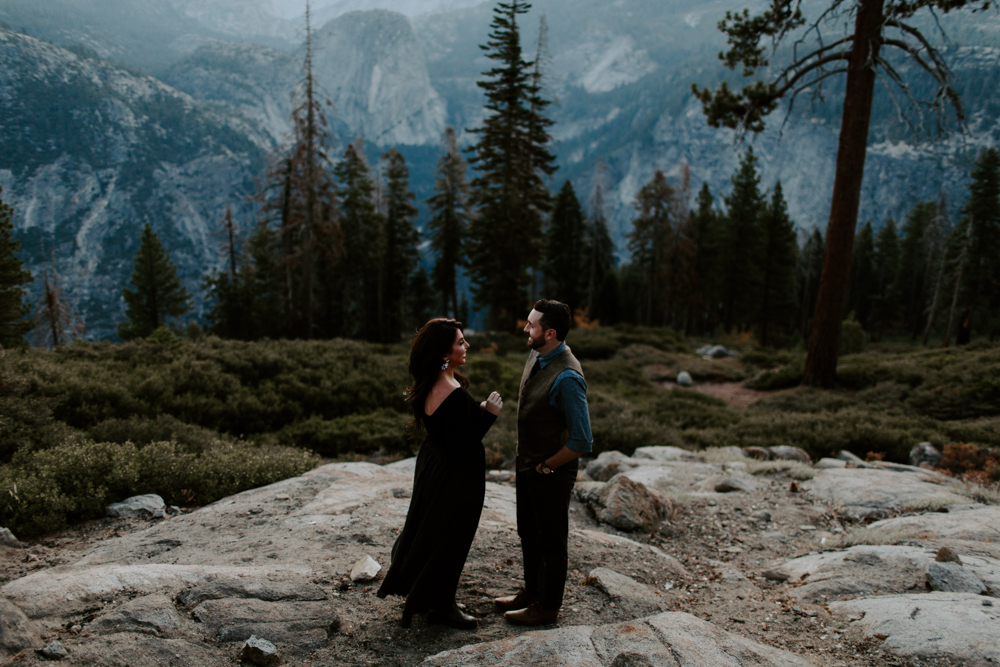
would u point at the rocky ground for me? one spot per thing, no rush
(721, 565)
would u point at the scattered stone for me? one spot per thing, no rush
(947, 555)
(871, 493)
(304, 624)
(632, 597)
(154, 614)
(762, 516)
(624, 504)
(793, 487)
(830, 463)
(758, 453)
(684, 379)
(987, 603)
(850, 457)
(53, 651)
(931, 626)
(607, 465)
(365, 569)
(670, 638)
(7, 539)
(775, 575)
(925, 454)
(953, 578)
(730, 484)
(16, 631)
(663, 454)
(716, 352)
(259, 652)
(138, 506)
(789, 453)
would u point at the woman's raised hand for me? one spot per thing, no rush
(494, 404)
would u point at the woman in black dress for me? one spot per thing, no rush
(449, 481)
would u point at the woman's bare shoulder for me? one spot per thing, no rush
(439, 393)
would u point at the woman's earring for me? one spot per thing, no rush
(444, 366)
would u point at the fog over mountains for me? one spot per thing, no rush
(91, 150)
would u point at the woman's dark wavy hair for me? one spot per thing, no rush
(431, 342)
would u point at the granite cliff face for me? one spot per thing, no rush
(92, 152)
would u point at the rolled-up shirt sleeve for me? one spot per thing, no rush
(569, 396)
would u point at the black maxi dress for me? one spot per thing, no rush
(449, 486)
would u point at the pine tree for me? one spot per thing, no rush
(704, 315)
(399, 257)
(608, 308)
(361, 226)
(739, 244)
(13, 310)
(263, 280)
(420, 299)
(910, 290)
(566, 256)
(807, 277)
(863, 285)
(449, 222)
(778, 259)
(979, 298)
(886, 266)
(512, 160)
(158, 292)
(648, 242)
(227, 291)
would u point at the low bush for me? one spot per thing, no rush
(379, 431)
(783, 377)
(142, 431)
(44, 490)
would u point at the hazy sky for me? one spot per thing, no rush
(294, 8)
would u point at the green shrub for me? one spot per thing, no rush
(383, 430)
(142, 430)
(488, 373)
(44, 490)
(852, 338)
(616, 424)
(782, 377)
(684, 409)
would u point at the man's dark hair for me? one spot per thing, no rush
(555, 315)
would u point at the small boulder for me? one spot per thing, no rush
(716, 352)
(365, 569)
(16, 631)
(845, 455)
(624, 504)
(54, 651)
(730, 484)
(762, 516)
(260, 652)
(825, 463)
(632, 596)
(607, 465)
(788, 453)
(758, 453)
(947, 555)
(7, 539)
(138, 506)
(951, 577)
(684, 379)
(664, 454)
(152, 614)
(925, 454)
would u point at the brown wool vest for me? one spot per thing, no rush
(541, 429)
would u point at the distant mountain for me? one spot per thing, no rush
(92, 152)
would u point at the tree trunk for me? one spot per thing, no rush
(821, 361)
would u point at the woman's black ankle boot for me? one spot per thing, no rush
(453, 617)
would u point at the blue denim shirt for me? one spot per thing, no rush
(568, 395)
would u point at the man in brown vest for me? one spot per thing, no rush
(553, 430)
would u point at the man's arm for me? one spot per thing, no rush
(569, 396)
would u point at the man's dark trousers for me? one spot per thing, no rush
(543, 526)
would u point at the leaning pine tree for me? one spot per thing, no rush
(13, 310)
(158, 292)
(859, 54)
(512, 158)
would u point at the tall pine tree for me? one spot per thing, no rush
(863, 284)
(910, 291)
(13, 325)
(449, 222)
(157, 294)
(704, 315)
(566, 257)
(400, 239)
(807, 277)
(648, 242)
(886, 266)
(740, 241)
(779, 255)
(600, 255)
(512, 159)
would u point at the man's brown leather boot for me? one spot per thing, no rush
(533, 615)
(514, 602)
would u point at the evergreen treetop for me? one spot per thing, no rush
(157, 294)
(400, 239)
(449, 222)
(13, 310)
(778, 259)
(566, 257)
(740, 243)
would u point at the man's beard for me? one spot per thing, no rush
(535, 344)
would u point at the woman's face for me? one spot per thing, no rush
(456, 357)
